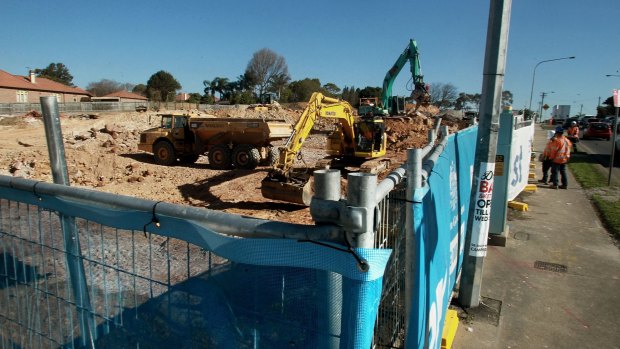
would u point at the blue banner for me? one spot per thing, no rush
(440, 212)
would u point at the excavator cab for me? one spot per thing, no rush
(370, 137)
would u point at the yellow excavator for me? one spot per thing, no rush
(359, 142)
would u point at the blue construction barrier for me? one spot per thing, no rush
(440, 212)
(263, 293)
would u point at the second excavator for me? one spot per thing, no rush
(420, 92)
(359, 142)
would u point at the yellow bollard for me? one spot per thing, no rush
(519, 206)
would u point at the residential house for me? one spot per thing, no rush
(28, 89)
(181, 97)
(121, 96)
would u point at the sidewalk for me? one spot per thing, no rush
(524, 306)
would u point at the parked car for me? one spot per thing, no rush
(597, 130)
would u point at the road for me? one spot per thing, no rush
(600, 150)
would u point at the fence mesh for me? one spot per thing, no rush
(390, 326)
(124, 269)
(149, 290)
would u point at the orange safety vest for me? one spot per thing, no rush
(547, 151)
(559, 149)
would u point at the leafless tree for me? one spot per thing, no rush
(443, 95)
(107, 86)
(266, 69)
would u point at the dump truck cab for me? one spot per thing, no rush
(171, 140)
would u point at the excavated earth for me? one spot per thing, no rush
(101, 151)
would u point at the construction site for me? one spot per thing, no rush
(102, 153)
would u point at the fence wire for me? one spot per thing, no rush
(390, 325)
(125, 270)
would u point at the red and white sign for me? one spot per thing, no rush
(616, 103)
(482, 212)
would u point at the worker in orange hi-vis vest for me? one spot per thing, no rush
(573, 135)
(559, 153)
(546, 161)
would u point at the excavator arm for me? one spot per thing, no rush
(319, 106)
(420, 94)
(281, 182)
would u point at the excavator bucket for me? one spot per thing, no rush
(297, 191)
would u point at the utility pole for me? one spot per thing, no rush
(486, 148)
(542, 103)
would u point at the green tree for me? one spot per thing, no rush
(207, 99)
(265, 68)
(279, 83)
(467, 101)
(162, 86)
(607, 108)
(351, 95)
(221, 85)
(139, 89)
(506, 98)
(194, 98)
(57, 72)
(331, 90)
(370, 92)
(242, 97)
(301, 90)
(210, 87)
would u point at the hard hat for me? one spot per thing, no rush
(574, 123)
(559, 129)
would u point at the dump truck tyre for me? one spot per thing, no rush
(246, 157)
(219, 157)
(273, 155)
(164, 153)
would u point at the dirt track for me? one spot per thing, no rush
(102, 153)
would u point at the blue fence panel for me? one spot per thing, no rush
(256, 293)
(440, 213)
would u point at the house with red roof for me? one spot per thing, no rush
(120, 96)
(28, 89)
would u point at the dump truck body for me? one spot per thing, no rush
(242, 143)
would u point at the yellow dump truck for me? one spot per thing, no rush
(228, 142)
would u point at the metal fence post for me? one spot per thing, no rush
(73, 254)
(361, 188)
(327, 187)
(414, 181)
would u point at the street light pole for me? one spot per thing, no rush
(534, 75)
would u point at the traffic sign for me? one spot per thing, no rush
(616, 103)
(546, 106)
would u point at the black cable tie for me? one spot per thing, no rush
(153, 219)
(405, 200)
(362, 264)
(34, 191)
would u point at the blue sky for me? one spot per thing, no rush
(349, 43)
